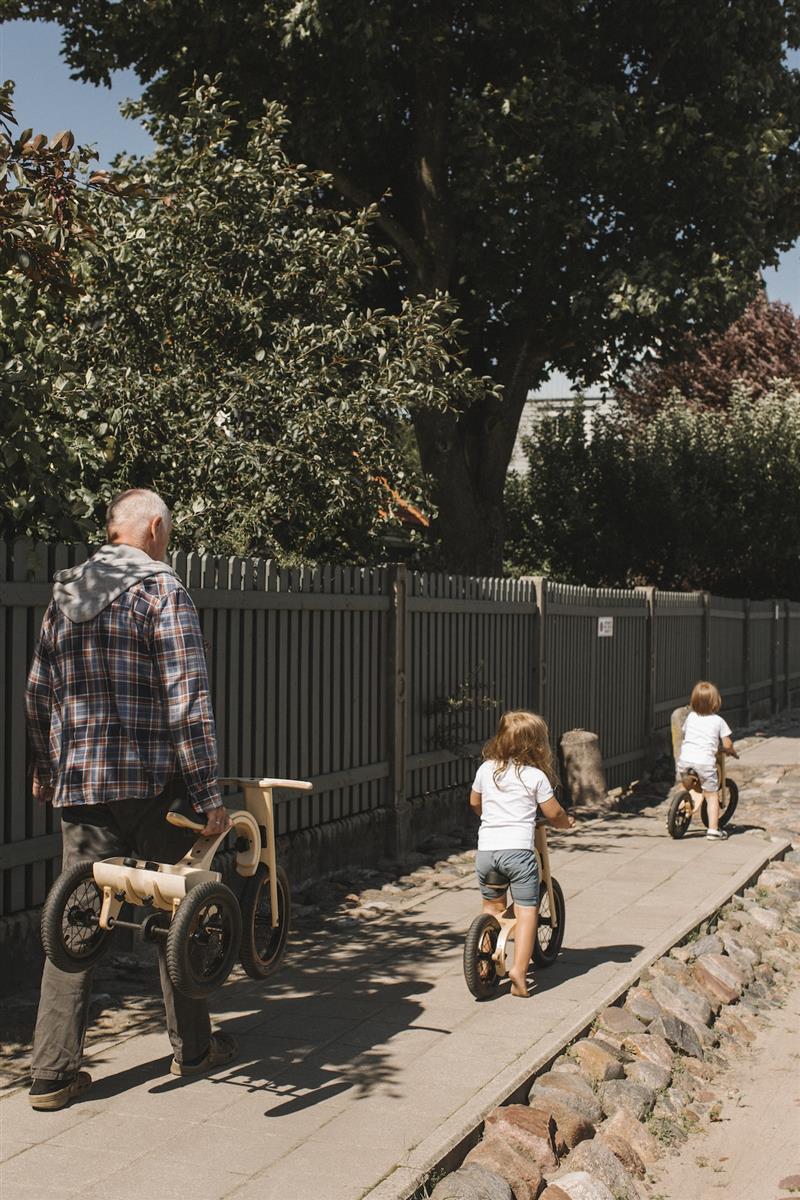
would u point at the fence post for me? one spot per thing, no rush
(787, 661)
(650, 682)
(540, 582)
(747, 661)
(398, 825)
(773, 657)
(705, 669)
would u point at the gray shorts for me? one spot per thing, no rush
(520, 868)
(709, 776)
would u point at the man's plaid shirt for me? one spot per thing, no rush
(119, 705)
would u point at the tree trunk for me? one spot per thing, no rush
(583, 768)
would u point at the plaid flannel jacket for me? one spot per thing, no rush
(119, 705)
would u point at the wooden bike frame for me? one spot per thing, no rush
(164, 885)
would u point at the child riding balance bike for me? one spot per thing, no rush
(702, 741)
(512, 785)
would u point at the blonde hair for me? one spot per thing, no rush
(705, 698)
(522, 738)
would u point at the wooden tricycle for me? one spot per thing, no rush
(204, 925)
(488, 936)
(687, 794)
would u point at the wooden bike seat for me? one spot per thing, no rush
(182, 813)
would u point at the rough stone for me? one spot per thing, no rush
(600, 1162)
(670, 967)
(641, 1003)
(652, 1076)
(553, 1192)
(623, 1124)
(472, 1182)
(683, 954)
(625, 1153)
(697, 1067)
(679, 1035)
(579, 1185)
(720, 975)
(732, 1025)
(597, 1062)
(529, 1130)
(650, 1047)
(778, 959)
(767, 918)
(624, 1093)
(587, 1107)
(571, 1127)
(619, 1021)
(680, 1000)
(710, 944)
(613, 1042)
(499, 1156)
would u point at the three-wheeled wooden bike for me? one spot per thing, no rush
(687, 794)
(205, 926)
(485, 948)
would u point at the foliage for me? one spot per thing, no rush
(586, 180)
(218, 350)
(42, 223)
(759, 348)
(688, 499)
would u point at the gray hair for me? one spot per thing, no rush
(136, 507)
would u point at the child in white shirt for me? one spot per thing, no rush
(512, 783)
(703, 732)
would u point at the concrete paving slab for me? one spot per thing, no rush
(366, 1056)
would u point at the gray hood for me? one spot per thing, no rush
(84, 591)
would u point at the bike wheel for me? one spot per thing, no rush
(727, 804)
(549, 937)
(480, 969)
(679, 817)
(262, 943)
(203, 940)
(71, 933)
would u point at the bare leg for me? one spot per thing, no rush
(495, 907)
(712, 802)
(524, 934)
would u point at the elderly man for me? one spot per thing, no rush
(120, 720)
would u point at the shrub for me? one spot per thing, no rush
(689, 499)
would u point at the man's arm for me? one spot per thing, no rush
(177, 645)
(38, 702)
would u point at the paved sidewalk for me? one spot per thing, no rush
(366, 1051)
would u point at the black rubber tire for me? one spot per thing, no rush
(197, 964)
(262, 945)
(480, 970)
(71, 937)
(727, 812)
(549, 938)
(678, 820)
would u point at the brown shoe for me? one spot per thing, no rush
(221, 1050)
(47, 1095)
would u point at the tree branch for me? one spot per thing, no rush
(401, 238)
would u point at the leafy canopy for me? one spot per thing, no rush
(218, 350)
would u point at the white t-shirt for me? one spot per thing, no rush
(508, 805)
(701, 738)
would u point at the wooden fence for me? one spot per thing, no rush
(380, 685)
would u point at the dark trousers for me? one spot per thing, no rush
(94, 831)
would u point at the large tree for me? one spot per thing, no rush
(587, 177)
(214, 343)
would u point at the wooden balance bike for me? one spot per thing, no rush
(204, 925)
(688, 790)
(488, 936)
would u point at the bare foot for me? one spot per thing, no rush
(519, 987)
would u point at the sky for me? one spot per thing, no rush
(48, 100)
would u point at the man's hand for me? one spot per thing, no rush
(217, 822)
(42, 792)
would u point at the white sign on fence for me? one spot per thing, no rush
(605, 626)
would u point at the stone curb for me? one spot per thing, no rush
(447, 1144)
